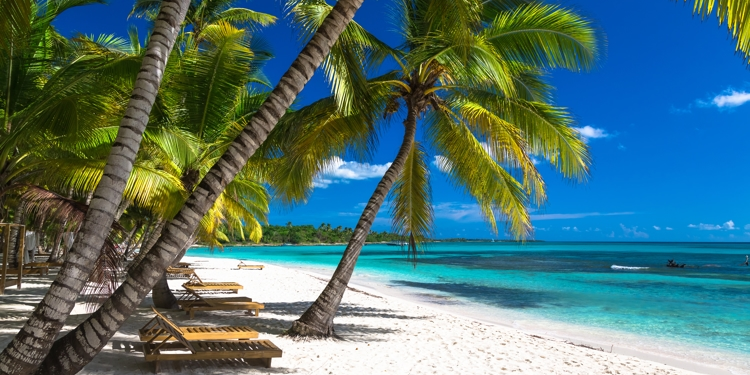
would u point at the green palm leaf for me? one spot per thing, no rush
(544, 36)
(411, 202)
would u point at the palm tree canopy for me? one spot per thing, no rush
(474, 72)
(736, 15)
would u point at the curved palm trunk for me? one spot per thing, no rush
(318, 319)
(78, 347)
(30, 346)
(161, 294)
(150, 242)
(18, 218)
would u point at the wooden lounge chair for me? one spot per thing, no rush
(180, 272)
(152, 331)
(185, 349)
(244, 266)
(40, 268)
(195, 285)
(200, 303)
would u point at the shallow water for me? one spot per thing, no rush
(706, 304)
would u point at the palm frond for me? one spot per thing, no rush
(46, 208)
(411, 202)
(544, 36)
(245, 17)
(355, 51)
(470, 167)
(211, 79)
(736, 14)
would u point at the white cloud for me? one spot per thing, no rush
(441, 163)
(621, 147)
(458, 211)
(729, 225)
(575, 229)
(587, 132)
(576, 216)
(340, 171)
(565, 228)
(669, 228)
(611, 235)
(731, 99)
(747, 227)
(657, 228)
(633, 231)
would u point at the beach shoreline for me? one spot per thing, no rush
(571, 335)
(380, 333)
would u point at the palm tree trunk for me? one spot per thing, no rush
(18, 218)
(318, 319)
(150, 242)
(121, 209)
(30, 346)
(161, 294)
(78, 347)
(129, 239)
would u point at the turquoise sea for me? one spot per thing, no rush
(618, 290)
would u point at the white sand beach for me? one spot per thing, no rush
(380, 335)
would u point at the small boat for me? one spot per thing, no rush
(672, 264)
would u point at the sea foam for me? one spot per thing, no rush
(616, 267)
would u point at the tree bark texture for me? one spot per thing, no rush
(78, 347)
(317, 321)
(149, 243)
(18, 218)
(30, 346)
(161, 294)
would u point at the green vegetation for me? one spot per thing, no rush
(323, 234)
(735, 14)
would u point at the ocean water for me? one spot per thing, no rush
(619, 290)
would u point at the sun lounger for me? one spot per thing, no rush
(152, 331)
(198, 302)
(244, 266)
(196, 285)
(180, 272)
(187, 349)
(40, 268)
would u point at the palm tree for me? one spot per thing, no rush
(210, 90)
(472, 71)
(736, 14)
(110, 316)
(203, 13)
(31, 344)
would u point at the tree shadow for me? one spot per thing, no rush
(512, 298)
(345, 309)
(138, 365)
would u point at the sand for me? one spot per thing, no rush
(379, 335)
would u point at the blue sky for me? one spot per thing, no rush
(665, 114)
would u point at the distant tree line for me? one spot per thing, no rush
(324, 233)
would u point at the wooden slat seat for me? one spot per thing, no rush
(26, 271)
(244, 266)
(180, 272)
(187, 349)
(152, 330)
(196, 285)
(198, 302)
(41, 268)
